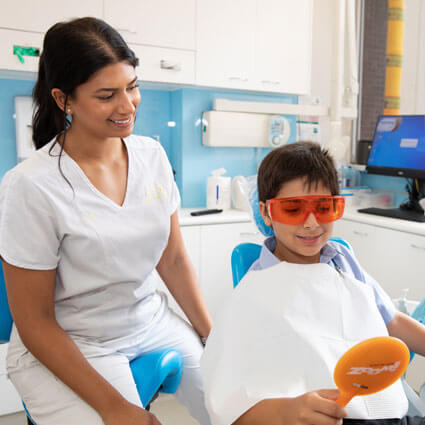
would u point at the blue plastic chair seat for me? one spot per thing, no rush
(157, 370)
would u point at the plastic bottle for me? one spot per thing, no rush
(219, 190)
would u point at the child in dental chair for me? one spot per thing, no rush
(270, 356)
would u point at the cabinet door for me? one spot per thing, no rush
(225, 43)
(38, 16)
(165, 65)
(395, 259)
(167, 23)
(218, 241)
(283, 45)
(10, 38)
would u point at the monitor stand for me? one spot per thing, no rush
(410, 210)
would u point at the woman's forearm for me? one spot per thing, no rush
(181, 281)
(53, 347)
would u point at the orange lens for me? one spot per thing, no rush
(296, 210)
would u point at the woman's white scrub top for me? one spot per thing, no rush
(105, 254)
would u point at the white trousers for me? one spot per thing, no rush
(50, 402)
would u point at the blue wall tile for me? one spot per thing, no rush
(9, 89)
(192, 161)
(196, 161)
(152, 118)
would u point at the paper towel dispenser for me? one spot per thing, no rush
(240, 129)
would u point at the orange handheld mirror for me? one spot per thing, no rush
(370, 366)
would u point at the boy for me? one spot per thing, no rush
(270, 356)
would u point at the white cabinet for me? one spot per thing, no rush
(210, 248)
(165, 65)
(161, 33)
(24, 22)
(38, 16)
(164, 23)
(283, 46)
(394, 258)
(225, 43)
(218, 241)
(257, 44)
(10, 38)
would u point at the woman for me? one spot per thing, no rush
(88, 224)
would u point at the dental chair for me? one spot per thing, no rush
(244, 255)
(158, 371)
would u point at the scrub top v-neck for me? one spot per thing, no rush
(98, 192)
(105, 254)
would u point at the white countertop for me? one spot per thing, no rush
(227, 216)
(237, 216)
(388, 222)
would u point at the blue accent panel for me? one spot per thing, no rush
(9, 89)
(153, 115)
(198, 160)
(177, 132)
(152, 118)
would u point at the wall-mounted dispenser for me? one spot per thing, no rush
(241, 129)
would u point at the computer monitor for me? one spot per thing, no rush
(398, 149)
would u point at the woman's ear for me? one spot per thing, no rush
(265, 214)
(60, 98)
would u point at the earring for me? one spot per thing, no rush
(69, 111)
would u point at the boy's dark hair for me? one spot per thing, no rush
(297, 160)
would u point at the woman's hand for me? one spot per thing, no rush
(316, 407)
(130, 414)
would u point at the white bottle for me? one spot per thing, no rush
(219, 190)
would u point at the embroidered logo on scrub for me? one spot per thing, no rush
(154, 193)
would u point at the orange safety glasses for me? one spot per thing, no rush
(296, 210)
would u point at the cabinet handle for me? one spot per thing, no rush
(237, 78)
(356, 232)
(131, 31)
(275, 83)
(249, 233)
(171, 66)
(417, 246)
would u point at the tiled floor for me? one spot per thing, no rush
(166, 408)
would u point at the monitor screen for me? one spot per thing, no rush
(398, 147)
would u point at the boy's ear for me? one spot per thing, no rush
(264, 213)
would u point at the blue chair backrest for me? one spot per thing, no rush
(5, 316)
(244, 255)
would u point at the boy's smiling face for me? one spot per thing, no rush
(299, 243)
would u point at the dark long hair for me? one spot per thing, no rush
(72, 52)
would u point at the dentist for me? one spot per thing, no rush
(88, 226)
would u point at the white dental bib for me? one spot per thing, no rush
(281, 334)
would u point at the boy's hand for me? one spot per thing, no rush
(313, 408)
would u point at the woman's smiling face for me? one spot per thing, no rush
(105, 106)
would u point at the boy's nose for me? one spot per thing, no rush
(311, 221)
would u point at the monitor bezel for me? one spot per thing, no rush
(395, 171)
